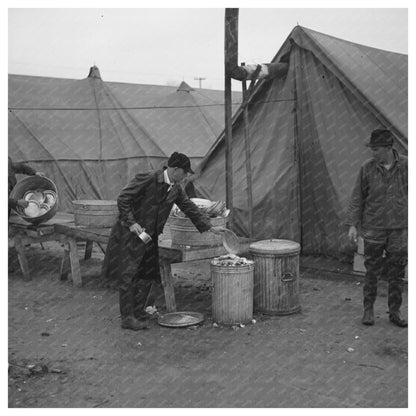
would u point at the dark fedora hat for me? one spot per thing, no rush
(381, 137)
(179, 160)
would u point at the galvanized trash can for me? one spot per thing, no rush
(276, 276)
(232, 293)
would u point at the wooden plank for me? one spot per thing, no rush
(65, 263)
(100, 235)
(167, 282)
(39, 239)
(88, 250)
(189, 253)
(194, 253)
(21, 256)
(248, 161)
(358, 266)
(74, 261)
(230, 40)
(230, 61)
(167, 253)
(58, 218)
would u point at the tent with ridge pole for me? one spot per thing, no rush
(307, 130)
(92, 136)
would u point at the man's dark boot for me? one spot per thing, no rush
(130, 322)
(396, 318)
(368, 317)
(127, 305)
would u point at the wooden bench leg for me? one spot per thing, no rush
(167, 282)
(102, 246)
(88, 250)
(74, 261)
(21, 256)
(65, 266)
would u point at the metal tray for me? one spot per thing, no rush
(180, 319)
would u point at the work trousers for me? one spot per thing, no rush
(136, 278)
(393, 244)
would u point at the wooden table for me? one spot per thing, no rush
(168, 254)
(22, 233)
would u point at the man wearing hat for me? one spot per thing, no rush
(144, 205)
(378, 207)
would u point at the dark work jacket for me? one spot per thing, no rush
(379, 198)
(146, 201)
(13, 169)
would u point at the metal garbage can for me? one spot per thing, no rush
(232, 293)
(276, 276)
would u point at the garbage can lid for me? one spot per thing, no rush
(275, 246)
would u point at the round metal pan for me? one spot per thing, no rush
(180, 319)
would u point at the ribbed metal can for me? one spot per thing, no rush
(232, 293)
(276, 276)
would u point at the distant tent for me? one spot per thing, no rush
(307, 136)
(91, 136)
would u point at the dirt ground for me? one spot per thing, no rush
(66, 347)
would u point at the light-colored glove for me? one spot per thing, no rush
(136, 228)
(40, 174)
(352, 234)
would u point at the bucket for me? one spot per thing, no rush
(184, 232)
(35, 183)
(276, 276)
(95, 213)
(232, 294)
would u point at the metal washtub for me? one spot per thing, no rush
(95, 213)
(184, 232)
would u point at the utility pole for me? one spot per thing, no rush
(230, 62)
(200, 79)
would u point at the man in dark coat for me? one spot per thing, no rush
(145, 204)
(379, 208)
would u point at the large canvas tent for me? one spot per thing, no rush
(90, 137)
(307, 134)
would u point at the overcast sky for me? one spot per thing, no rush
(165, 46)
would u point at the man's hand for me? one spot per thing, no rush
(22, 203)
(40, 174)
(217, 230)
(135, 228)
(352, 234)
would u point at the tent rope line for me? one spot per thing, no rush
(135, 108)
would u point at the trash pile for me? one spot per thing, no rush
(212, 209)
(231, 260)
(40, 202)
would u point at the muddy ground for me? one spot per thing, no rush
(66, 347)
